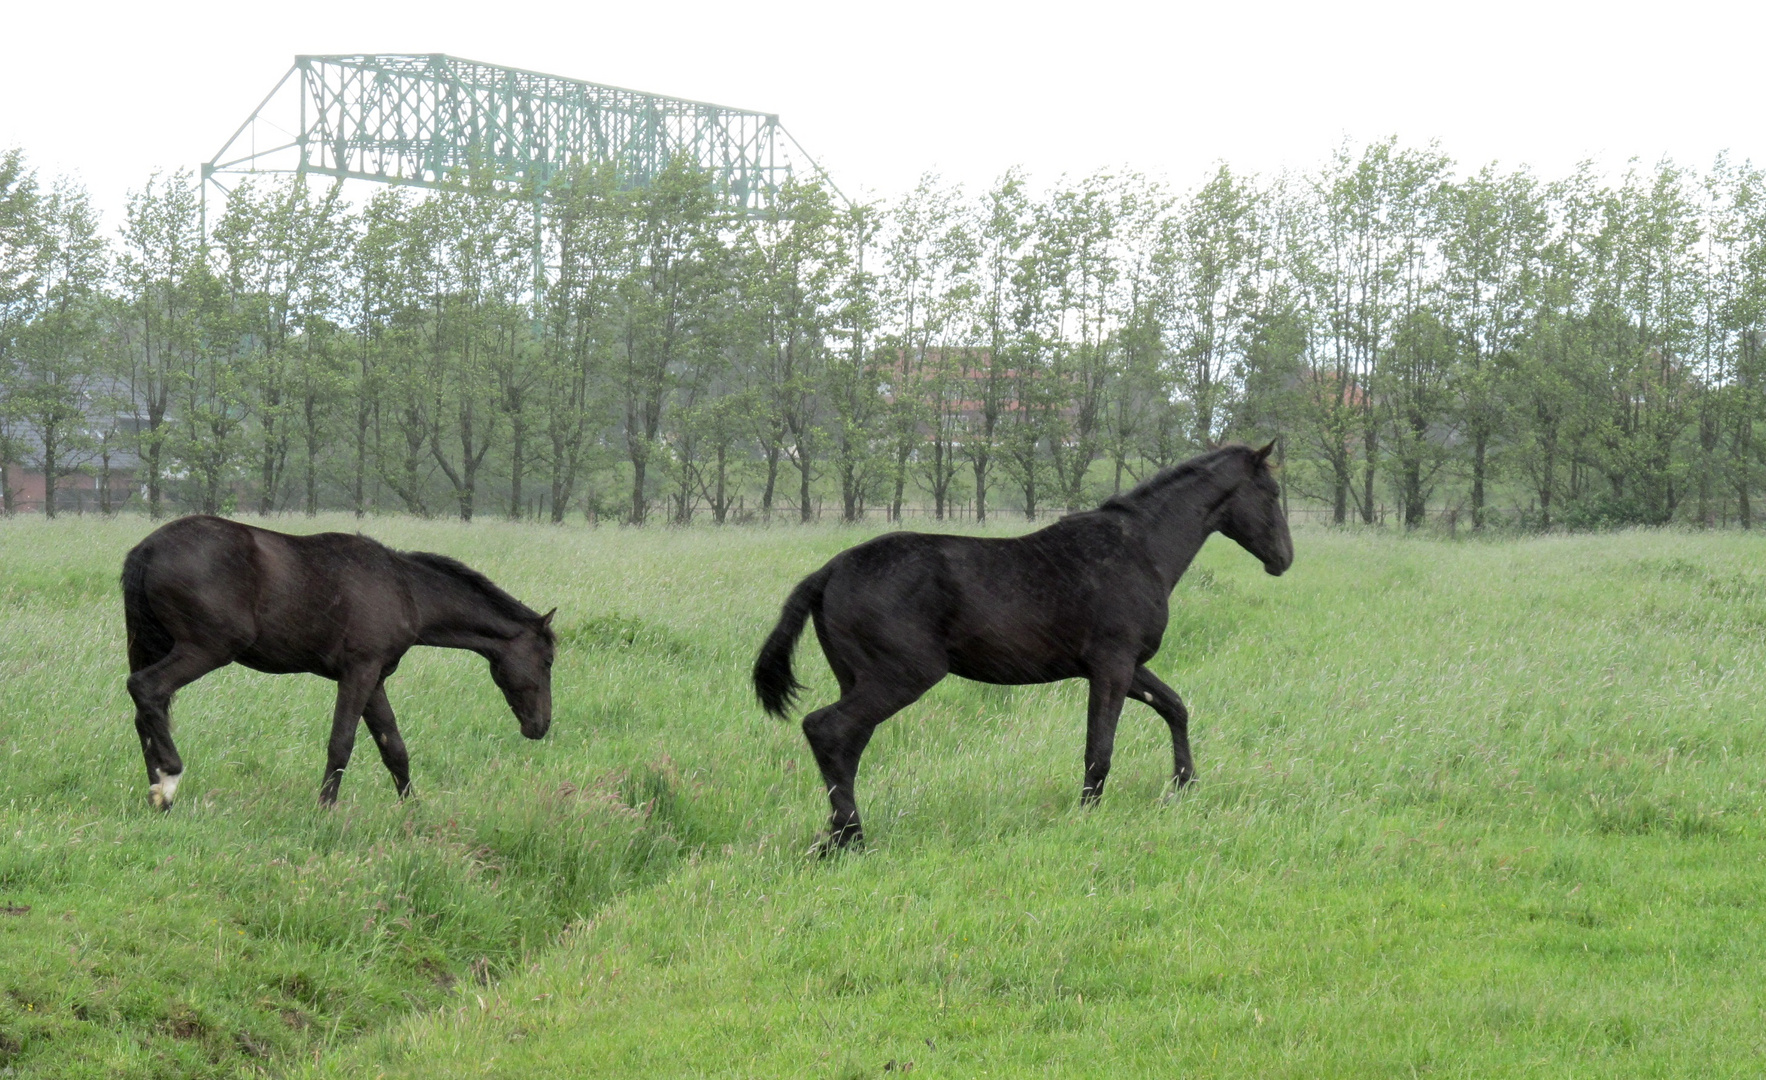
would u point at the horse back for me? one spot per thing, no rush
(270, 600)
(325, 600)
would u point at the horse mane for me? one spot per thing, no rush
(1153, 486)
(505, 605)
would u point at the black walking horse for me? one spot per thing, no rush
(204, 592)
(1086, 597)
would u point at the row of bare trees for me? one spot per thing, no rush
(1493, 346)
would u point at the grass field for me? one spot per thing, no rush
(1465, 809)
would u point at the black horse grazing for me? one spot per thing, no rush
(1084, 598)
(204, 592)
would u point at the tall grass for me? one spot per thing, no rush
(1465, 808)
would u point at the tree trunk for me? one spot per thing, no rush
(518, 437)
(1414, 508)
(1340, 489)
(51, 465)
(1743, 452)
(558, 493)
(1480, 439)
(410, 491)
(1707, 463)
(310, 407)
(267, 468)
(1371, 446)
(772, 479)
(156, 412)
(1548, 482)
(468, 491)
(639, 506)
(468, 464)
(104, 506)
(981, 488)
(359, 489)
(720, 507)
(901, 481)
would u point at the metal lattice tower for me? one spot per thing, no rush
(421, 120)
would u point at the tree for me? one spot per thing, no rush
(667, 299)
(1372, 274)
(794, 253)
(1003, 226)
(21, 255)
(852, 371)
(474, 263)
(161, 271)
(915, 262)
(281, 256)
(59, 359)
(1495, 233)
(587, 237)
(1212, 287)
(1076, 263)
(211, 399)
(1645, 301)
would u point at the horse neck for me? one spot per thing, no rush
(452, 614)
(1180, 517)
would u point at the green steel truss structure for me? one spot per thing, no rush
(420, 120)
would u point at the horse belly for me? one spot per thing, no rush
(1013, 653)
(274, 663)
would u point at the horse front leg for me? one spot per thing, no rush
(354, 689)
(1103, 711)
(385, 730)
(1164, 700)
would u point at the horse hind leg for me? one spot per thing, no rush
(1149, 688)
(151, 687)
(838, 735)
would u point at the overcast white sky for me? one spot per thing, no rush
(882, 92)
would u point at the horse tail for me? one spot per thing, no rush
(774, 682)
(149, 640)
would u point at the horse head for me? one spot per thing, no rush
(522, 669)
(1252, 515)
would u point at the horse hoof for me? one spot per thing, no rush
(159, 796)
(832, 844)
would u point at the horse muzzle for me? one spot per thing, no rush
(535, 724)
(1278, 564)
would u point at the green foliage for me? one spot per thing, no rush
(1428, 345)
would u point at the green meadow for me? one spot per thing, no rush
(1465, 809)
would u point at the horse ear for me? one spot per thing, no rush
(546, 619)
(1263, 454)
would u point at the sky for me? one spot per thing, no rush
(881, 93)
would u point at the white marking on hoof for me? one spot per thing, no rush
(160, 794)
